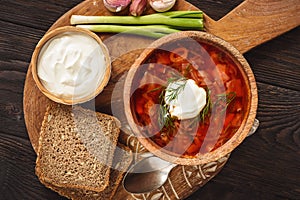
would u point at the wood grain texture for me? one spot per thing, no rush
(265, 166)
(18, 180)
(277, 62)
(254, 22)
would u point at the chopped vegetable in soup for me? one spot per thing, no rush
(213, 72)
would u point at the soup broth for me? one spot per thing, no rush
(210, 68)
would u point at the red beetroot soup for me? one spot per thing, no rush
(210, 68)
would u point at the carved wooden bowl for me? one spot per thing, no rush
(249, 86)
(96, 88)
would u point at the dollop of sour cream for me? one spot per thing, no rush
(190, 99)
(71, 65)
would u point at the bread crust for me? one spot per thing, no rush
(85, 142)
(116, 176)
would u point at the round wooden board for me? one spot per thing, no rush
(124, 49)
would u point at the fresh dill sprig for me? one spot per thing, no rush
(155, 89)
(173, 92)
(168, 95)
(225, 99)
(165, 119)
(205, 111)
(221, 100)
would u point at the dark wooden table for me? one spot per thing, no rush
(265, 166)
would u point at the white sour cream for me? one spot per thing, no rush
(190, 100)
(71, 65)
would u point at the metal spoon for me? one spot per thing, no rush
(147, 175)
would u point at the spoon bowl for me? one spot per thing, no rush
(150, 173)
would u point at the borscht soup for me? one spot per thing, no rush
(189, 97)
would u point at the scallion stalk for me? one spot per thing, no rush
(152, 25)
(182, 14)
(183, 19)
(155, 31)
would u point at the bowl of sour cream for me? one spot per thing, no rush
(71, 65)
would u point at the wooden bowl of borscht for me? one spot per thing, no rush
(190, 98)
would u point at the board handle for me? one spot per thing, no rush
(254, 22)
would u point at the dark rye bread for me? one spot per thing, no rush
(76, 147)
(121, 162)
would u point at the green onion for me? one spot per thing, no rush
(181, 14)
(155, 31)
(159, 24)
(173, 18)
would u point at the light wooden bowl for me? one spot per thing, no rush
(58, 99)
(246, 124)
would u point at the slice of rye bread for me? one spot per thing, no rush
(121, 162)
(76, 147)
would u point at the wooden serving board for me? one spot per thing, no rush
(252, 23)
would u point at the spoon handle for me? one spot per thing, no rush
(254, 127)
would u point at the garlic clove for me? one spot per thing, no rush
(116, 5)
(162, 5)
(137, 7)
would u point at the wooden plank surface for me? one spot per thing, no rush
(254, 22)
(265, 166)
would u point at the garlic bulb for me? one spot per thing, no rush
(137, 7)
(162, 5)
(116, 5)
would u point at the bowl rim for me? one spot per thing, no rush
(51, 34)
(250, 114)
